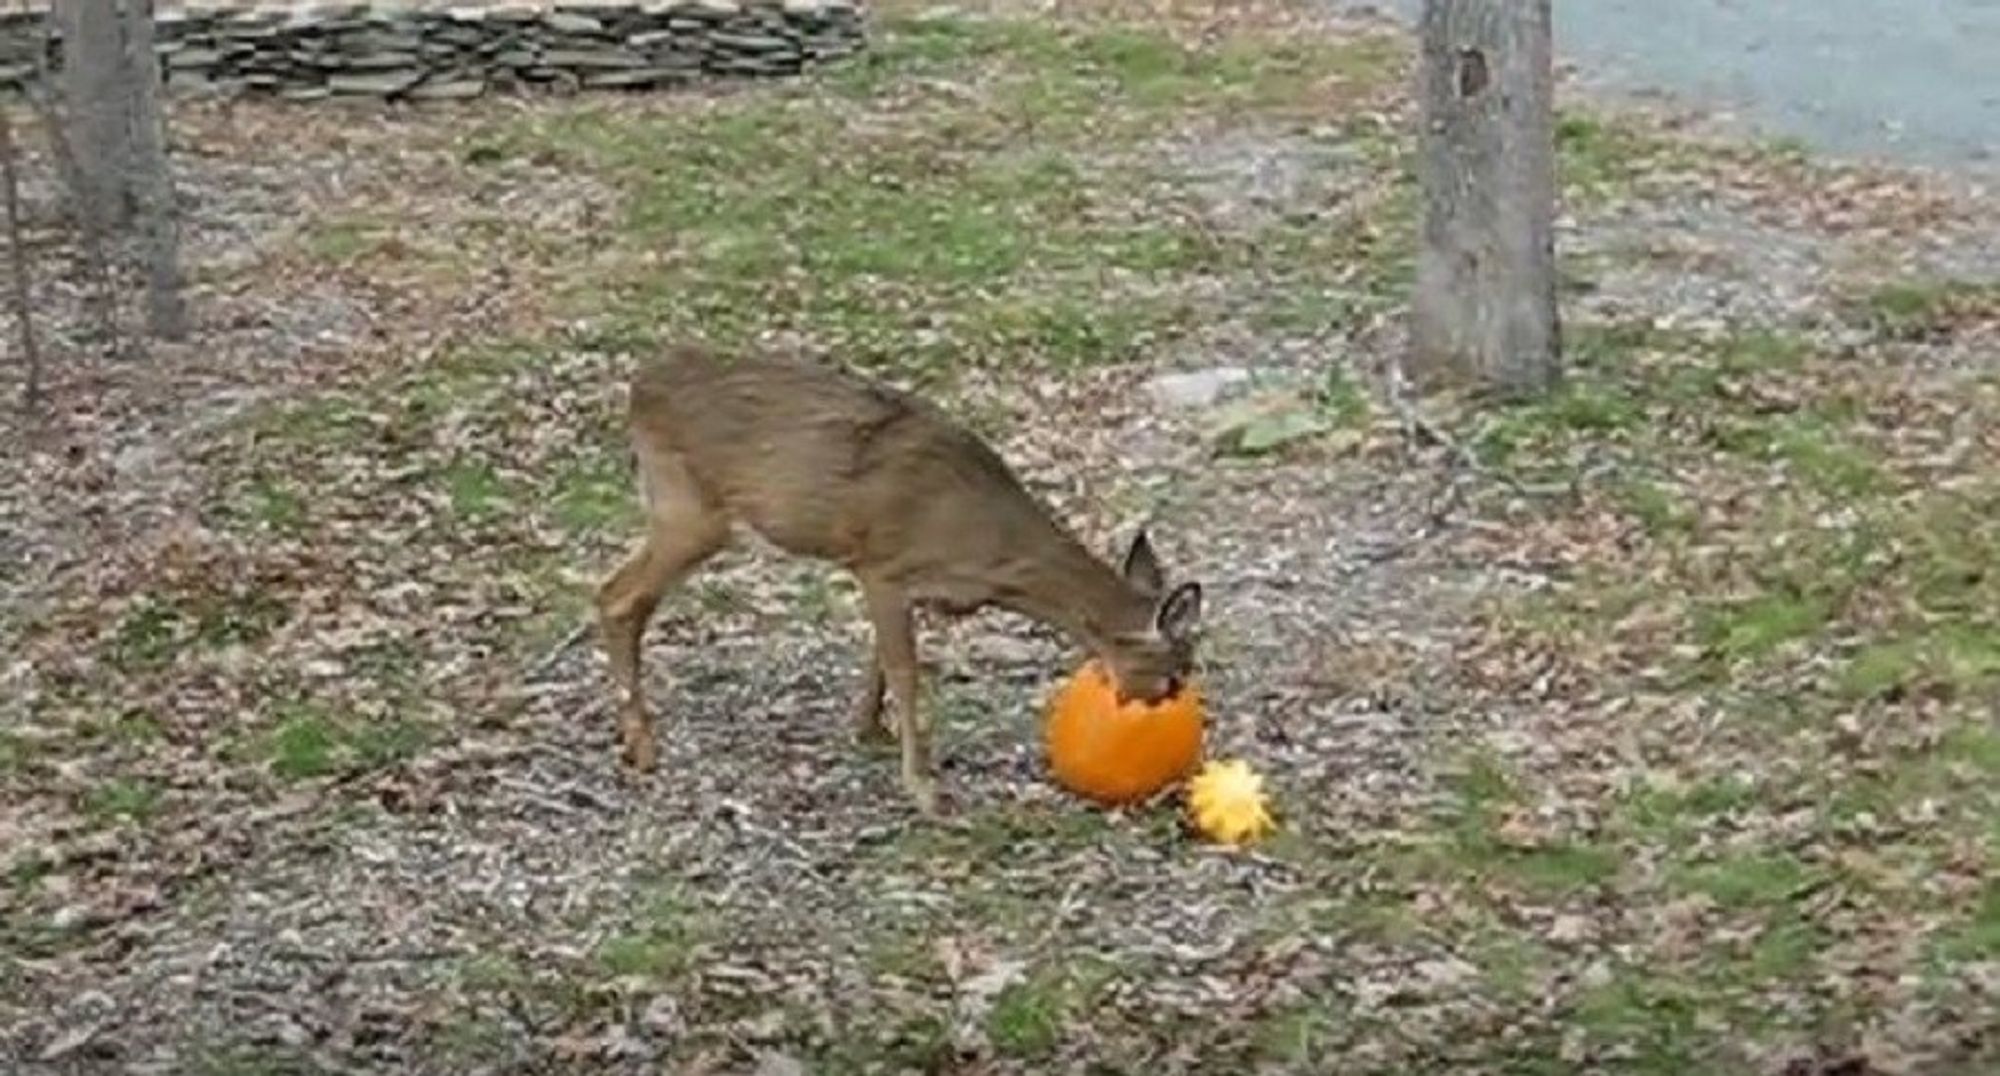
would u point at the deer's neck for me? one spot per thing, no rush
(1079, 595)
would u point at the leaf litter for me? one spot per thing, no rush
(1533, 797)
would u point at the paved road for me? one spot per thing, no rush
(1914, 80)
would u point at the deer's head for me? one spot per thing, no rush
(1153, 654)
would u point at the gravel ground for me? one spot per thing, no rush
(504, 900)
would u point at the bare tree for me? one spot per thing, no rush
(152, 182)
(108, 132)
(97, 98)
(17, 250)
(51, 110)
(1484, 309)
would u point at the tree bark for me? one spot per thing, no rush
(17, 251)
(152, 181)
(1484, 309)
(98, 106)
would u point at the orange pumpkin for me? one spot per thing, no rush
(1114, 753)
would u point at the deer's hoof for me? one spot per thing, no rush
(639, 754)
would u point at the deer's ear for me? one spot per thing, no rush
(1142, 566)
(1180, 613)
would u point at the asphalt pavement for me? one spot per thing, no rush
(1908, 80)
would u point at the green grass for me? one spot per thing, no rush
(985, 833)
(1598, 158)
(311, 741)
(661, 944)
(1030, 1017)
(274, 506)
(940, 239)
(122, 800)
(1799, 595)
(920, 1042)
(158, 628)
(1977, 937)
(596, 495)
(1654, 1020)
(1661, 511)
(1753, 880)
(303, 747)
(1820, 458)
(1752, 628)
(474, 491)
(1027, 1020)
(1007, 195)
(1917, 309)
(252, 1061)
(1300, 1035)
(15, 753)
(1669, 814)
(341, 240)
(1958, 660)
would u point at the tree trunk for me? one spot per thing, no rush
(17, 256)
(98, 106)
(152, 182)
(1484, 309)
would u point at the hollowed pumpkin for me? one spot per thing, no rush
(1115, 754)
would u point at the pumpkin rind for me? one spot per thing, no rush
(1117, 754)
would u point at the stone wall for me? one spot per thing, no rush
(417, 53)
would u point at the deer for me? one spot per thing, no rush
(827, 464)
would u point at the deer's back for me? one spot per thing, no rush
(825, 464)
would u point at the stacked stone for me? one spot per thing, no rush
(435, 54)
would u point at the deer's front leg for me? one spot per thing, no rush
(896, 659)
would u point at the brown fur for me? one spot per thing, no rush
(826, 465)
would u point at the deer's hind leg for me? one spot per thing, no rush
(893, 619)
(684, 527)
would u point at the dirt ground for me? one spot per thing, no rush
(296, 774)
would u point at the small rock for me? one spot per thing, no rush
(663, 1016)
(379, 61)
(1197, 388)
(386, 42)
(451, 89)
(644, 76)
(590, 58)
(564, 22)
(385, 84)
(779, 1064)
(1445, 973)
(194, 59)
(751, 43)
(1570, 929)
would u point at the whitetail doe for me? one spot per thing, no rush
(826, 465)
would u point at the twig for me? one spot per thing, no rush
(24, 303)
(548, 661)
(1418, 427)
(1415, 424)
